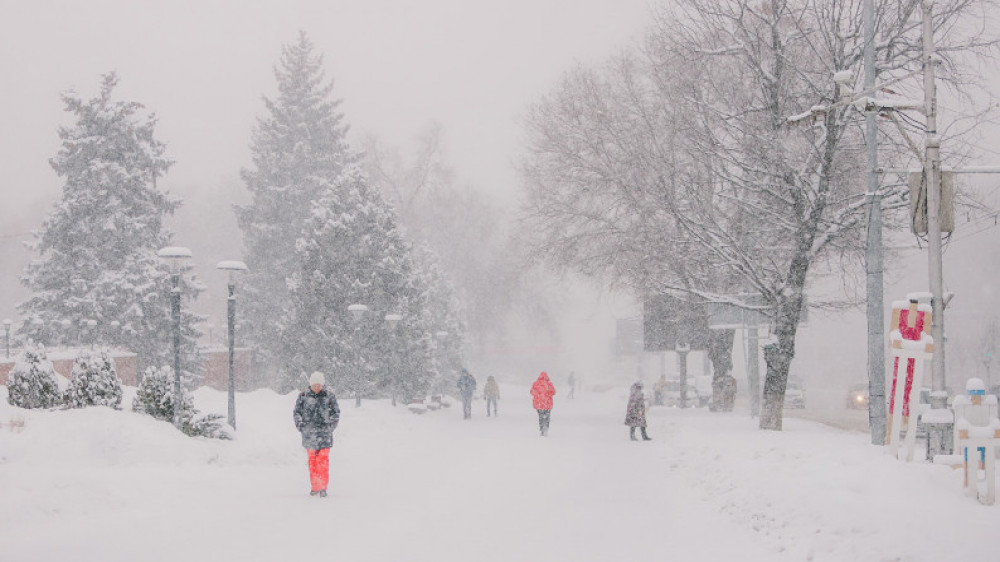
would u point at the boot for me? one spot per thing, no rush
(631, 434)
(644, 436)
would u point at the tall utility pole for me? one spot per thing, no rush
(873, 247)
(932, 180)
(753, 369)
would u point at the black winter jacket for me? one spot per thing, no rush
(317, 415)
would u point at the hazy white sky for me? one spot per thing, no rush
(203, 65)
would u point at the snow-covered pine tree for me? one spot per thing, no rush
(352, 252)
(32, 382)
(94, 381)
(97, 248)
(298, 144)
(154, 396)
(445, 319)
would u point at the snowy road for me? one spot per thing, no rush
(113, 486)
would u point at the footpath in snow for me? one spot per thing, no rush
(106, 486)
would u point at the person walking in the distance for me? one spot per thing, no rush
(572, 385)
(492, 393)
(658, 389)
(316, 415)
(635, 414)
(542, 392)
(466, 387)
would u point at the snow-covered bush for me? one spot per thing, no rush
(94, 381)
(155, 397)
(155, 394)
(196, 424)
(32, 382)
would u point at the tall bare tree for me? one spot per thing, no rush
(676, 168)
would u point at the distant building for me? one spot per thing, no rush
(216, 363)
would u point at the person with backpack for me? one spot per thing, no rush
(542, 392)
(466, 387)
(316, 415)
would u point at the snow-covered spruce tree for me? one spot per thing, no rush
(155, 397)
(444, 316)
(352, 252)
(155, 393)
(32, 382)
(297, 146)
(97, 247)
(94, 381)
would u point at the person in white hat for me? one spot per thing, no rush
(316, 416)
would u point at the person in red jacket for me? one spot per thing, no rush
(542, 392)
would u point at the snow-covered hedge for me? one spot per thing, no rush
(94, 381)
(32, 382)
(155, 397)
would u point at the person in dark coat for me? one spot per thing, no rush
(635, 415)
(466, 387)
(316, 415)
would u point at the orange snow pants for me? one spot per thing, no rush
(319, 468)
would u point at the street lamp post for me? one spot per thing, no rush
(6, 328)
(986, 361)
(115, 327)
(357, 313)
(391, 321)
(92, 332)
(81, 336)
(66, 324)
(682, 353)
(175, 257)
(234, 268)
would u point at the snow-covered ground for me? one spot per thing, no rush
(104, 486)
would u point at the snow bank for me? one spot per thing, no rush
(104, 485)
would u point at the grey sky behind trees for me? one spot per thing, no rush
(203, 66)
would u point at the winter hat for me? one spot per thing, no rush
(317, 378)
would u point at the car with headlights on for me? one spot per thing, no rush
(795, 393)
(857, 396)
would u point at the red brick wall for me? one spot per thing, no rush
(125, 364)
(217, 368)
